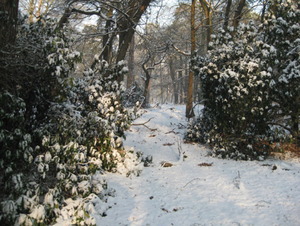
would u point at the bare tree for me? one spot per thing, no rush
(37, 8)
(120, 18)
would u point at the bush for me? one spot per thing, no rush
(133, 96)
(281, 29)
(58, 134)
(235, 83)
(250, 83)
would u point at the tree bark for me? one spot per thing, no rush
(227, 12)
(106, 41)
(174, 82)
(130, 76)
(127, 28)
(39, 10)
(238, 14)
(207, 13)
(8, 25)
(147, 86)
(189, 105)
(31, 10)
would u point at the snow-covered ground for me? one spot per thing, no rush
(218, 192)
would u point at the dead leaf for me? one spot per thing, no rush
(168, 144)
(205, 164)
(166, 164)
(188, 142)
(152, 135)
(266, 165)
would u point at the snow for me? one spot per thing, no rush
(193, 193)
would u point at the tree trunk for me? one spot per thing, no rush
(147, 87)
(263, 11)
(238, 14)
(127, 28)
(64, 18)
(130, 76)
(31, 10)
(106, 41)
(39, 10)
(189, 105)
(208, 13)
(174, 82)
(8, 26)
(227, 12)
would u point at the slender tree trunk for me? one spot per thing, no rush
(227, 12)
(263, 11)
(147, 87)
(189, 105)
(174, 82)
(8, 25)
(208, 14)
(39, 10)
(130, 76)
(31, 10)
(179, 88)
(106, 41)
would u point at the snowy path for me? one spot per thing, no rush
(226, 193)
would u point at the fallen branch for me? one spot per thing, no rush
(172, 131)
(144, 124)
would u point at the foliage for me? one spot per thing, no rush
(58, 134)
(244, 90)
(282, 29)
(133, 96)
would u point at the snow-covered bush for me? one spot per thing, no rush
(235, 83)
(58, 134)
(133, 96)
(250, 82)
(282, 29)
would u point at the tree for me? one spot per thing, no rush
(189, 104)
(119, 18)
(8, 22)
(37, 8)
(238, 13)
(130, 76)
(208, 10)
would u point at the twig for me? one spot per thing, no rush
(172, 131)
(190, 182)
(144, 124)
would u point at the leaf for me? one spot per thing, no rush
(166, 164)
(205, 164)
(168, 144)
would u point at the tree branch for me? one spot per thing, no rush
(144, 124)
